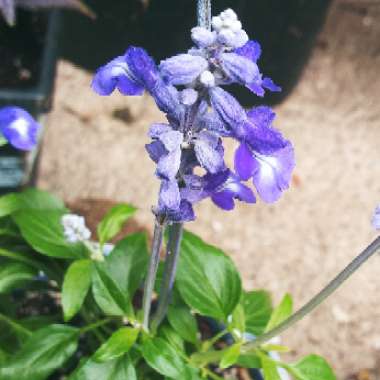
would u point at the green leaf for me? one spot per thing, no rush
(183, 322)
(207, 279)
(238, 320)
(108, 295)
(117, 369)
(312, 367)
(113, 221)
(13, 275)
(120, 275)
(43, 230)
(45, 351)
(75, 287)
(29, 199)
(3, 140)
(117, 345)
(163, 358)
(167, 333)
(269, 368)
(249, 360)
(281, 312)
(257, 309)
(231, 356)
(8, 227)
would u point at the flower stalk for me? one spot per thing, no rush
(320, 297)
(152, 272)
(171, 259)
(204, 13)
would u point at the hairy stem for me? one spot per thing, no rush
(171, 259)
(152, 272)
(204, 13)
(319, 298)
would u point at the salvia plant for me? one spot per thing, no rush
(78, 307)
(8, 7)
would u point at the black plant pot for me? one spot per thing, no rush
(17, 168)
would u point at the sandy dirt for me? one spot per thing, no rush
(94, 148)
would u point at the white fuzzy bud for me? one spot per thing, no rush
(228, 14)
(217, 23)
(226, 37)
(207, 79)
(202, 36)
(74, 228)
(188, 96)
(241, 38)
(236, 26)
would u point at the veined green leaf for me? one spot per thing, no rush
(281, 312)
(117, 345)
(207, 279)
(113, 221)
(75, 287)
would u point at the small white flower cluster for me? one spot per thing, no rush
(75, 228)
(229, 29)
(227, 33)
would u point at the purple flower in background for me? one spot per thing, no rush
(18, 127)
(376, 218)
(190, 89)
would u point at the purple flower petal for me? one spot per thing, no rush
(272, 174)
(207, 152)
(142, 66)
(18, 127)
(256, 88)
(116, 74)
(239, 69)
(239, 190)
(172, 140)
(212, 122)
(168, 165)
(167, 100)
(262, 116)
(183, 68)
(185, 213)
(157, 129)
(270, 85)
(224, 200)
(251, 50)
(244, 162)
(376, 218)
(169, 198)
(264, 140)
(156, 150)
(229, 109)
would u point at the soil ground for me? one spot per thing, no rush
(94, 148)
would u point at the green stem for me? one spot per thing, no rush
(319, 298)
(171, 259)
(16, 326)
(95, 325)
(152, 272)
